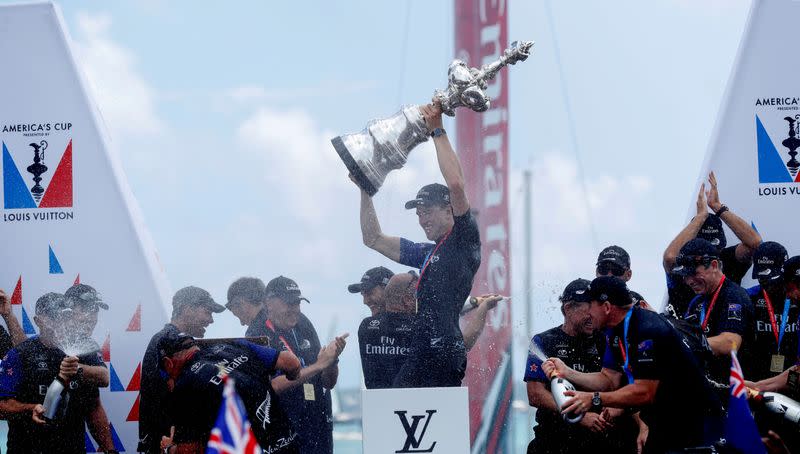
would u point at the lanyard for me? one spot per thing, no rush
(624, 347)
(285, 342)
(428, 258)
(704, 320)
(771, 310)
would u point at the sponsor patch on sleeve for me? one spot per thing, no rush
(735, 311)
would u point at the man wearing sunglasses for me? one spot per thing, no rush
(720, 307)
(735, 260)
(615, 261)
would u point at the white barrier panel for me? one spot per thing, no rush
(415, 420)
(70, 215)
(753, 147)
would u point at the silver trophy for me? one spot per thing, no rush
(384, 144)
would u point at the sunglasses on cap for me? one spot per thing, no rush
(686, 265)
(609, 267)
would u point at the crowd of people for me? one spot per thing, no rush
(282, 372)
(659, 382)
(643, 381)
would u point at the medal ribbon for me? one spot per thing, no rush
(624, 347)
(784, 318)
(704, 320)
(428, 258)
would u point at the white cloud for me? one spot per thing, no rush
(127, 100)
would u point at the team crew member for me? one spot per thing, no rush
(385, 340)
(735, 260)
(246, 300)
(26, 372)
(14, 335)
(774, 345)
(447, 267)
(192, 312)
(789, 380)
(575, 344)
(197, 377)
(646, 366)
(306, 400)
(721, 308)
(85, 304)
(371, 287)
(615, 261)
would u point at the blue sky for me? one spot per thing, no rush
(223, 115)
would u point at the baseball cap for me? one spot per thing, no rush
(51, 304)
(576, 291)
(286, 289)
(172, 343)
(768, 261)
(637, 298)
(791, 269)
(84, 294)
(195, 296)
(615, 254)
(711, 231)
(697, 251)
(379, 275)
(611, 289)
(430, 194)
(248, 288)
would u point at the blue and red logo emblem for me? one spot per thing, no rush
(18, 193)
(778, 166)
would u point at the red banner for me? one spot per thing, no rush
(482, 141)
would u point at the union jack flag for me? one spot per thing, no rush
(738, 388)
(740, 429)
(232, 433)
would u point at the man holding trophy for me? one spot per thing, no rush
(447, 266)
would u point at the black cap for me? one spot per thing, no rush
(697, 251)
(250, 289)
(84, 294)
(431, 194)
(712, 231)
(768, 261)
(173, 342)
(195, 296)
(51, 304)
(615, 254)
(374, 277)
(791, 269)
(286, 289)
(611, 289)
(576, 291)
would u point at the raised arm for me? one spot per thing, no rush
(688, 232)
(604, 380)
(474, 327)
(750, 239)
(448, 160)
(14, 328)
(371, 232)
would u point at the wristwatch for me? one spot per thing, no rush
(721, 210)
(596, 402)
(438, 132)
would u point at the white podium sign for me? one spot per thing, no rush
(415, 420)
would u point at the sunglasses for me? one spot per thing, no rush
(608, 267)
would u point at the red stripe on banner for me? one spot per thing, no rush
(495, 440)
(77, 279)
(136, 321)
(133, 415)
(105, 350)
(133, 385)
(59, 191)
(482, 142)
(16, 297)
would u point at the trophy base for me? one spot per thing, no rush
(361, 179)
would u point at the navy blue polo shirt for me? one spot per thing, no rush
(683, 399)
(384, 344)
(447, 270)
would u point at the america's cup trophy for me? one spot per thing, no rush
(384, 144)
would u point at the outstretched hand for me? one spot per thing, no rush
(432, 113)
(713, 193)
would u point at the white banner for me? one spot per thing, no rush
(76, 219)
(416, 420)
(756, 135)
